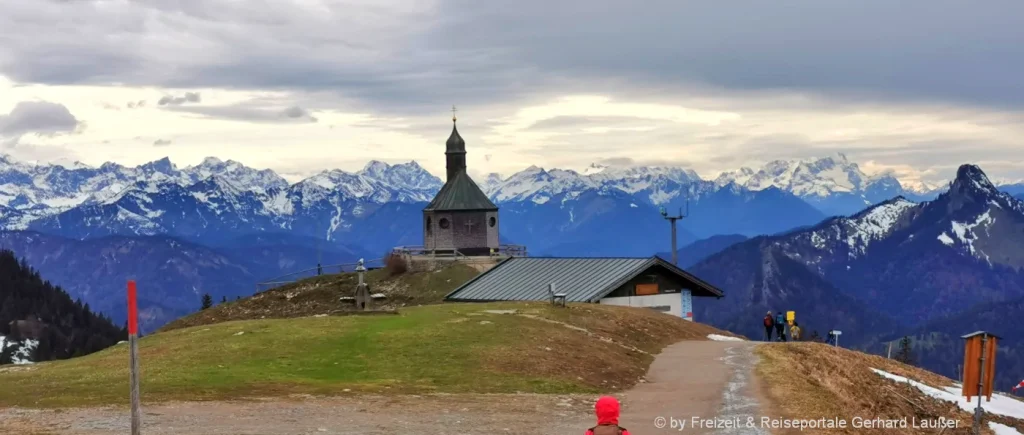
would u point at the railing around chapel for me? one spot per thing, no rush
(324, 269)
(421, 251)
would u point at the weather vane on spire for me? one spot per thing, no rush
(453, 112)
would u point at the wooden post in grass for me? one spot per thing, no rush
(133, 351)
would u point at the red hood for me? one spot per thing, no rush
(607, 409)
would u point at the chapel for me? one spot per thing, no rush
(460, 217)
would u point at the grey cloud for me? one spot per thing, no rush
(46, 153)
(136, 104)
(189, 97)
(38, 117)
(566, 122)
(161, 142)
(412, 57)
(251, 112)
(617, 161)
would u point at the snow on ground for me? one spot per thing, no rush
(1000, 404)
(1002, 429)
(716, 337)
(23, 350)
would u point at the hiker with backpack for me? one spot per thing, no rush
(769, 323)
(794, 331)
(607, 410)
(780, 325)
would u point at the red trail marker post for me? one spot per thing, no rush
(133, 345)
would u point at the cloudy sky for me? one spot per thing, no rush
(299, 86)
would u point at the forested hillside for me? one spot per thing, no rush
(40, 322)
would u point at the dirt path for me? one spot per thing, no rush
(688, 379)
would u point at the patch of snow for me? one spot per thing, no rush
(632, 205)
(1002, 429)
(22, 354)
(945, 239)
(716, 337)
(967, 233)
(873, 225)
(1000, 404)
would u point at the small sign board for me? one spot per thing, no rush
(979, 348)
(837, 332)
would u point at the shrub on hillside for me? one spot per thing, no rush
(395, 264)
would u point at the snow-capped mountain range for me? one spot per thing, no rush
(894, 269)
(49, 188)
(898, 253)
(221, 199)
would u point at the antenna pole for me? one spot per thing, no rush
(672, 221)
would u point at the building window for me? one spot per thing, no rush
(429, 226)
(444, 223)
(492, 221)
(646, 289)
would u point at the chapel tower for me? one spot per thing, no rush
(461, 217)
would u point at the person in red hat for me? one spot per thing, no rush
(607, 410)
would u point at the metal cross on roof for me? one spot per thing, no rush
(453, 112)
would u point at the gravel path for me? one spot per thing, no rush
(688, 379)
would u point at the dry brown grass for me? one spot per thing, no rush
(321, 294)
(571, 354)
(813, 380)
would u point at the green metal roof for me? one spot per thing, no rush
(460, 193)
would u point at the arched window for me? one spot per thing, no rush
(430, 228)
(444, 223)
(492, 221)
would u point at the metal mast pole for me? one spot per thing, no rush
(675, 254)
(672, 221)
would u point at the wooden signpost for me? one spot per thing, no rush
(133, 351)
(979, 370)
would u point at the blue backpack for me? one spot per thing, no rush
(780, 319)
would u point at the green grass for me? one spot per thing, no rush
(437, 348)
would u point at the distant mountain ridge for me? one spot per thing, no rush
(832, 184)
(172, 274)
(219, 200)
(892, 268)
(697, 251)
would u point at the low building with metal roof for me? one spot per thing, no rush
(642, 282)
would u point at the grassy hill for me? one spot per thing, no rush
(813, 380)
(448, 348)
(321, 294)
